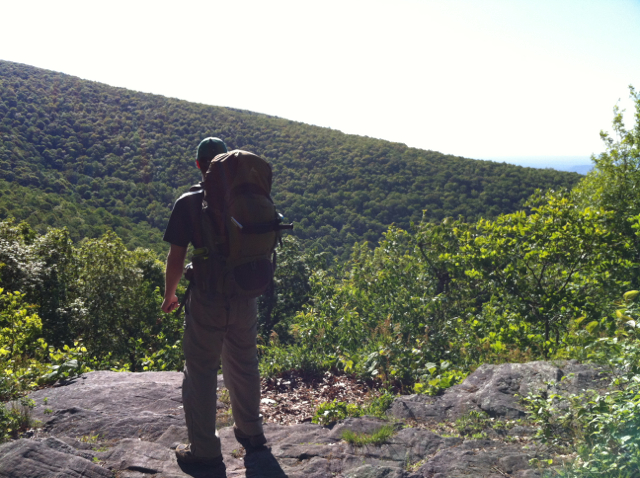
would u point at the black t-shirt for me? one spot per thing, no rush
(180, 228)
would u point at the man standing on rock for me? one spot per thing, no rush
(216, 327)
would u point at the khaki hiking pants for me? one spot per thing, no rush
(217, 328)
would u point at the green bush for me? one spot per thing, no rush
(21, 348)
(66, 363)
(276, 359)
(473, 424)
(603, 429)
(440, 379)
(15, 418)
(379, 405)
(331, 412)
(169, 357)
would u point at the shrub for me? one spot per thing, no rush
(15, 418)
(438, 379)
(21, 348)
(378, 406)
(331, 412)
(472, 424)
(604, 429)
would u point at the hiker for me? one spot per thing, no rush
(217, 325)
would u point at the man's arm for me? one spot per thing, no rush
(173, 273)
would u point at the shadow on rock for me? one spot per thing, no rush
(262, 464)
(203, 471)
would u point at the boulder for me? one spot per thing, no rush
(496, 390)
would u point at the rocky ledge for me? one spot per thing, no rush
(124, 425)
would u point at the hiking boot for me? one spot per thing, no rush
(250, 443)
(186, 456)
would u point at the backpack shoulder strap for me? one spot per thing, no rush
(195, 213)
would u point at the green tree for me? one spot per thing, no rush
(289, 291)
(54, 251)
(114, 302)
(20, 344)
(614, 183)
(544, 268)
(389, 314)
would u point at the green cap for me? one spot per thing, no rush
(209, 148)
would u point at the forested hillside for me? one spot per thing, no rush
(132, 154)
(42, 210)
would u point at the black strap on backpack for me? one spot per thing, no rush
(195, 214)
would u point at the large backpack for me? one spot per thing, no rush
(238, 227)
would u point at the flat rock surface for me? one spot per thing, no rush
(108, 424)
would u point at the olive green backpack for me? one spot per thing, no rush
(238, 228)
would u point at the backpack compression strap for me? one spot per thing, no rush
(264, 227)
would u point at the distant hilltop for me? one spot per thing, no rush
(574, 164)
(581, 169)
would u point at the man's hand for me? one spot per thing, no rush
(173, 273)
(170, 303)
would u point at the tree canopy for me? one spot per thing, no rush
(131, 155)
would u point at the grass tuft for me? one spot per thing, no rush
(378, 437)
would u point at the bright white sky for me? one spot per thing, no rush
(486, 79)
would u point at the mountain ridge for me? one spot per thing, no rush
(132, 154)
